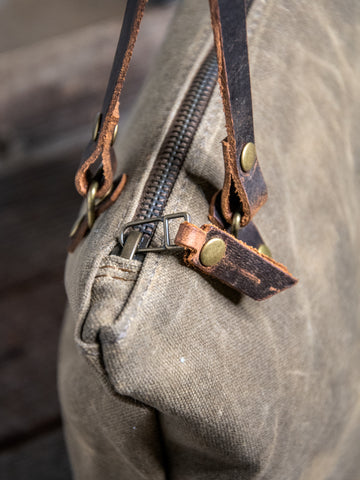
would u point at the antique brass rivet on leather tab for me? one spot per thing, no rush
(248, 157)
(212, 252)
(265, 250)
(96, 126)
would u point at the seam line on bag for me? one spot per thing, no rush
(119, 336)
(146, 288)
(117, 268)
(115, 278)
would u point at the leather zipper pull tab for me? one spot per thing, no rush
(218, 254)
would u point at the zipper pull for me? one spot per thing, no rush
(137, 241)
(131, 245)
(218, 254)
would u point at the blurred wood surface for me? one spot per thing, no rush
(51, 91)
(29, 21)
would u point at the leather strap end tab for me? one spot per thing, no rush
(241, 267)
(96, 157)
(244, 192)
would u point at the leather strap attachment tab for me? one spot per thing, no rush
(99, 153)
(243, 191)
(241, 267)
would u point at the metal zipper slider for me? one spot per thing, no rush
(130, 244)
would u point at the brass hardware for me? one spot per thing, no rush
(212, 252)
(76, 226)
(235, 226)
(248, 157)
(116, 129)
(167, 245)
(265, 250)
(96, 126)
(92, 202)
(94, 186)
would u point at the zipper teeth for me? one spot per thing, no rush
(175, 147)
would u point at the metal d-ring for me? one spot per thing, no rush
(90, 197)
(235, 226)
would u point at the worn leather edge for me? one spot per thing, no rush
(248, 190)
(243, 268)
(99, 153)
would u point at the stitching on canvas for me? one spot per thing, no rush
(117, 268)
(115, 278)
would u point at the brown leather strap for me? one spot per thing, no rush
(243, 192)
(99, 152)
(242, 267)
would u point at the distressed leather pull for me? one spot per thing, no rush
(99, 152)
(241, 266)
(243, 191)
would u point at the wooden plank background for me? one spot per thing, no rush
(53, 72)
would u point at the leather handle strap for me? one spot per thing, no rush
(239, 263)
(242, 192)
(99, 153)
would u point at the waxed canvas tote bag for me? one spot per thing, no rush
(169, 367)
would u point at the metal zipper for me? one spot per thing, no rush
(136, 236)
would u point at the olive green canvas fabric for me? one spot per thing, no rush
(165, 374)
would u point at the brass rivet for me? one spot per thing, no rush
(96, 126)
(212, 252)
(115, 134)
(265, 250)
(248, 157)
